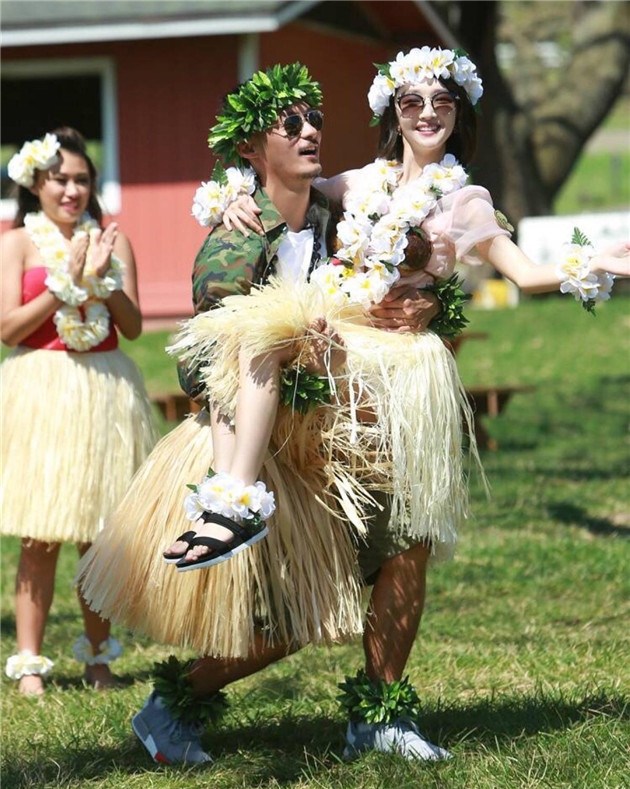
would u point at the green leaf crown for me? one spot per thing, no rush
(256, 104)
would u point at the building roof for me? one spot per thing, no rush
(64, 22)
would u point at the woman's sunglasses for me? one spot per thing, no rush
(293, 124)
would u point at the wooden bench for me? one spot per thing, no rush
(174, 406)
(485, 400)
(490, 401)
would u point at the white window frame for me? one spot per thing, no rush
(105, 68)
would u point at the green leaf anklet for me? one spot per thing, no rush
(378, 702)
(172, 685)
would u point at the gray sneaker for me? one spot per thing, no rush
(168, 740)
(399, 736)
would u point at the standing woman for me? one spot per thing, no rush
(76, 419)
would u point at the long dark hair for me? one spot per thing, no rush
(72, 141)
(462, 143)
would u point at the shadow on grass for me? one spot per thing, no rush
(279, 751)
(122, 681)
(489, 720)
(577, 516)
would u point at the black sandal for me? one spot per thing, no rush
(187, 537)
(222, 551)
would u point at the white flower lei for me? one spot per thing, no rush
(212, 197)
(76, 332)
(420, 64)
(374, 229)
(33, 155)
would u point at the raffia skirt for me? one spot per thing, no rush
(75, 427)
(301, 583)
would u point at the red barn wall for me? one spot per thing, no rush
(168, 93)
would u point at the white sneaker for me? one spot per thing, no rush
(399, 736)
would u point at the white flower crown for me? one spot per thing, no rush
(34, 155)
(419, 64)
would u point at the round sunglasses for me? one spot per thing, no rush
(293, 123)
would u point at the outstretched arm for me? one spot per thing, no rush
(514, 264)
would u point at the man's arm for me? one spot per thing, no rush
(407, 307)
(225, 265)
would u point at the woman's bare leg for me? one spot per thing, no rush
(223, 445)
(34, 588)
(256, 409)
(96, 631)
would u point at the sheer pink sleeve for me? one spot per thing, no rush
(472, 219)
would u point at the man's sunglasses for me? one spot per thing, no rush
(292, 124)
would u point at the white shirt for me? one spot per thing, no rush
(294, 254)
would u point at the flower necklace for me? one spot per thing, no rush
(373, 232)
(78, 332)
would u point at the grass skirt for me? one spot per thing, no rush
(75, 427)
(300, 583)
(412, 449)
(297, 585)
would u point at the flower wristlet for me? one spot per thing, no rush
(108, 650)
(451, 321)
(576, 277)
(172, 685)
(303, 391)
(60, 283)
(214, 196)
(222, 494)
(378, 702)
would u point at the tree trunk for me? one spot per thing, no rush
(525, 155)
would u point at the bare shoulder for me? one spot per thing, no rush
(122, 246)
(15, 244)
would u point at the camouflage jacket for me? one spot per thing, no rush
(229, 262)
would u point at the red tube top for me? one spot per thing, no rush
(46, 337)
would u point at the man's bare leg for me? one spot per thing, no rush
(394, 613)
(208, 674)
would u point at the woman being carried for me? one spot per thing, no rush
(411, 208)
(76, 420)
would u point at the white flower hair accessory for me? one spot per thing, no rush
(33, 155)
(419, 64)
(214, 196)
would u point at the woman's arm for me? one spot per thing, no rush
(124, 304)
(514, 264)
(20, 320)
(335, 188)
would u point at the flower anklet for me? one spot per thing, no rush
(25, 663)
(108, 650)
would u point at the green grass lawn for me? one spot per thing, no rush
(600, 181)
(522, 659)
